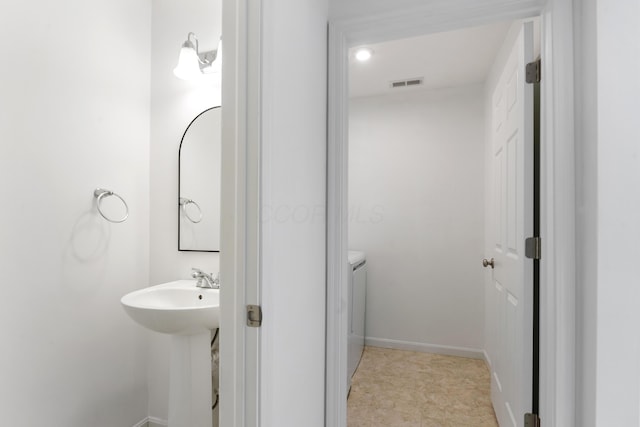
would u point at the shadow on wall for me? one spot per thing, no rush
(85, 258)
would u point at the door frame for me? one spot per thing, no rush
(557, 190)
(240, 213)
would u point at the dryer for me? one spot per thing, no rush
(356, 311)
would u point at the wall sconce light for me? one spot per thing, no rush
(193, 63)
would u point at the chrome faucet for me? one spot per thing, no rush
(205, 280)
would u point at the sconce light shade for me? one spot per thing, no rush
(188, 63)
(193, 63)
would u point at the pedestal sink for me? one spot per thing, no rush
(188, 314)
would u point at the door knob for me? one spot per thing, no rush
(487, 262)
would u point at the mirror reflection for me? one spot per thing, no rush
(199, 184)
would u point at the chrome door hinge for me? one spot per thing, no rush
(533, 247)
(254, 316)
(533, 72)
(531, 420)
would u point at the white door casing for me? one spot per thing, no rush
(510, 299)
(558, 190)
(240, 213)
(557, 266)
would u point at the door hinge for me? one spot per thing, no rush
(533, 247)
(534, 71)
(254, 316)
(531, 420)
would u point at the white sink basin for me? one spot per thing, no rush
(178, 308)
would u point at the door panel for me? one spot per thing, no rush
(511, 328)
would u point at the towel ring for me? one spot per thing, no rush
(183, 204)
(101, 193)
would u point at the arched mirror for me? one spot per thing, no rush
(199, 184)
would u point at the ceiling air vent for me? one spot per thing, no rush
(407, 83)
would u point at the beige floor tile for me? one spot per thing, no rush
(397, 388)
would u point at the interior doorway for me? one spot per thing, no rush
(557, 384)
(419, 115)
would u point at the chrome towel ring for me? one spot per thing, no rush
(101, 193)
(183, 204)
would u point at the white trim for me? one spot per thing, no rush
(157, 422)
(472, 353)
(239, 345)
(232, 347)
(557, 266)
(423, 17)
(143, 423)
(152, 422)
(486, 358)
(557, 356)
(337, 261)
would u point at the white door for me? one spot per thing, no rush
(510, 293)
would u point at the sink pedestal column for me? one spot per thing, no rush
(190, 381)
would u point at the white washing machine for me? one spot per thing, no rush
(356, 315)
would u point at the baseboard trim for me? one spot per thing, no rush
(471, 353)
(486, 358)
(152, 422)
(157, 422)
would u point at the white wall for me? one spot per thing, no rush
(293, 176)
(174, 103)
(74, 116)
(416, 191)
(609, 208)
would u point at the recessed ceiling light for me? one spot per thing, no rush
(364, 54)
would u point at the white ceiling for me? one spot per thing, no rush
(448, 59)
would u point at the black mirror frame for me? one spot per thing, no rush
(178, 198)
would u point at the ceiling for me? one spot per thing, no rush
(448, 59)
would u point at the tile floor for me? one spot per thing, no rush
(397, 388)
